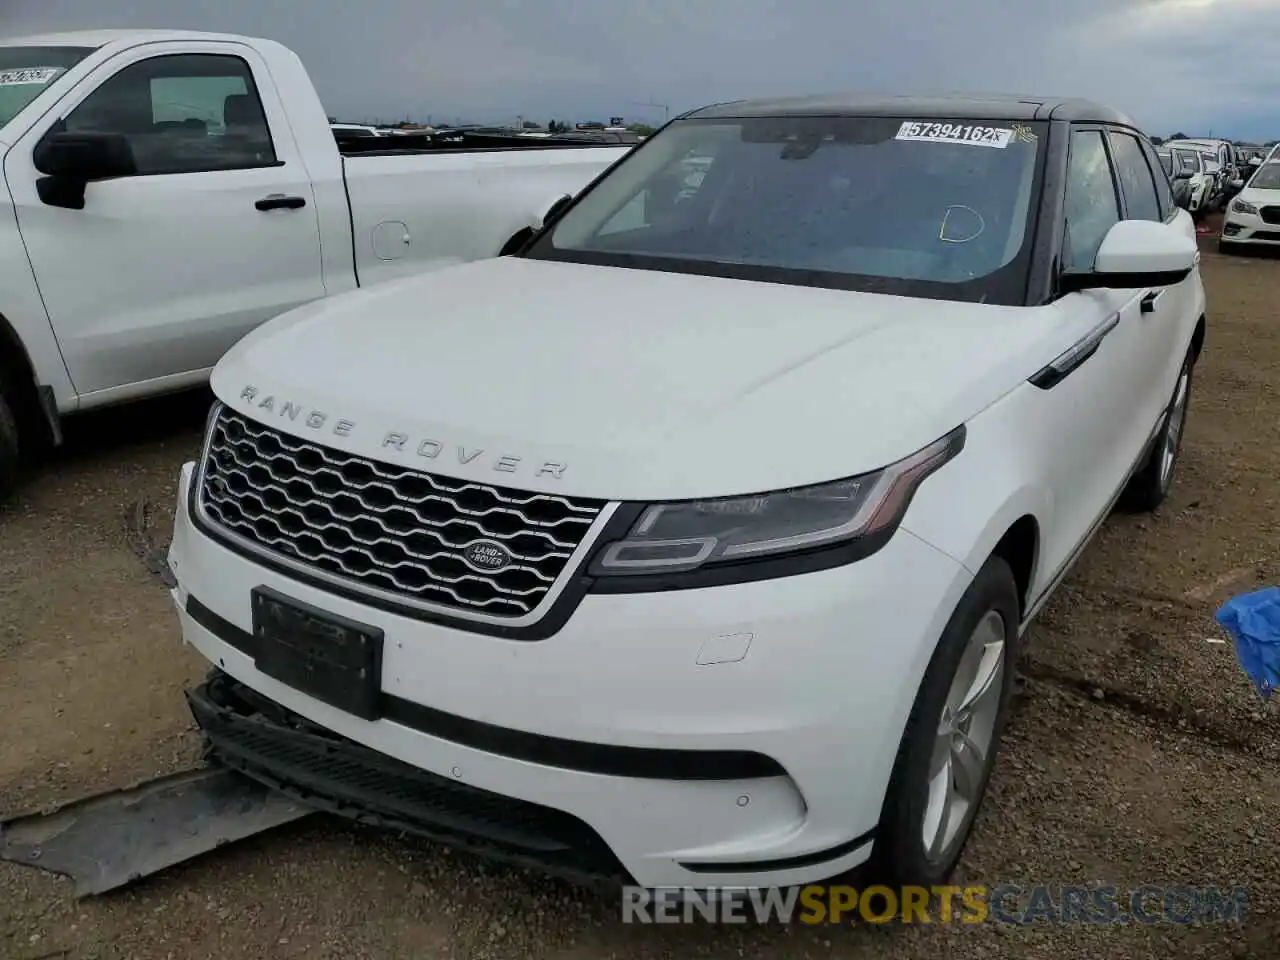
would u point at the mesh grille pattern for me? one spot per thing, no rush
(390, 527)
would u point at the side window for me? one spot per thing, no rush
(1164, 188)
(186, 113)
(1090, 201)
(1135, 178)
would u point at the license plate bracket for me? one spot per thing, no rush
(326, 656)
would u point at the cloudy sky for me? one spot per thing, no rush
(1194, 65)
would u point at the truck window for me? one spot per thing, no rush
(186, 113)
(1136, 181)
(1090, 201)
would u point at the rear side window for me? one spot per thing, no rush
(1091, 205)
(1136, 180)
(186, 113)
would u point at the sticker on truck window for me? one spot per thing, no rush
(26, 75)
(955, 133)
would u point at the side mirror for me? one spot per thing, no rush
(1237, 184)
(556, 209)
(517, 241)
(72, 160)
(1138, 253)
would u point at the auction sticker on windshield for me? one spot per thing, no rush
(39, 75)
(955, 133)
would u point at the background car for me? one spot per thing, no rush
(1253, 217)
(1194, 186)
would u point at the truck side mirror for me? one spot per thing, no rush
(70, 161)
(556, 208)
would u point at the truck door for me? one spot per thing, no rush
(160, 273)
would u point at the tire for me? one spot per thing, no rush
(9, 451)
(986, 615)
(1149, 487)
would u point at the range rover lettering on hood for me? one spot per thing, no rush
(426, 447)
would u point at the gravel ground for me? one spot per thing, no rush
(1138, 753)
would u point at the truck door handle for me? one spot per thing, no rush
(1148, 304)
(278, 201)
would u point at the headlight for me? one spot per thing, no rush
(865, 510)
(1239, 206)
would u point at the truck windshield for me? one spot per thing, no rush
(25, 71)
(936, 208)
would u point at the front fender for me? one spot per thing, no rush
(23, 319)
(971, 503)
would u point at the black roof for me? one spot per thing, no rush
(958, 106)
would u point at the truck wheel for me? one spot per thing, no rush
(8, 448)
(949, 748)
(1149, 487)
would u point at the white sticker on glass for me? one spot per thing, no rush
(26, 75)
(978, 136)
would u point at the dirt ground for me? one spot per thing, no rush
(1138, 754)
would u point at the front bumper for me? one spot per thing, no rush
(739, 735)
(1248, 228)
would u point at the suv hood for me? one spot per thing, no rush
(1258, 196)
(640, 385)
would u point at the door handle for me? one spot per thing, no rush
(1149, 299)
(278, 201)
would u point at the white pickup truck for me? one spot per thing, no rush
(167, 192)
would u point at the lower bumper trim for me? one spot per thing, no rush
(246, 732)
(785, 863)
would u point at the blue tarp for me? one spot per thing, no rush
(1253, 620)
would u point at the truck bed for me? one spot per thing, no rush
(412, 209)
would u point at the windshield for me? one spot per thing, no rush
(933, 209)
(1267, 177)
(1166, 161)
(25, 71)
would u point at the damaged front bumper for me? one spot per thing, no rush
(249, 733)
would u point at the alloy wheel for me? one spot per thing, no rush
(962, 752)
(1173, 429)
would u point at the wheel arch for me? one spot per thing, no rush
(1198, 337)
(18, 376)
(1019, 547)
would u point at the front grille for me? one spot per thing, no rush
(384, 526)
(1270, 214)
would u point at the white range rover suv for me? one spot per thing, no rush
(691, 544)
